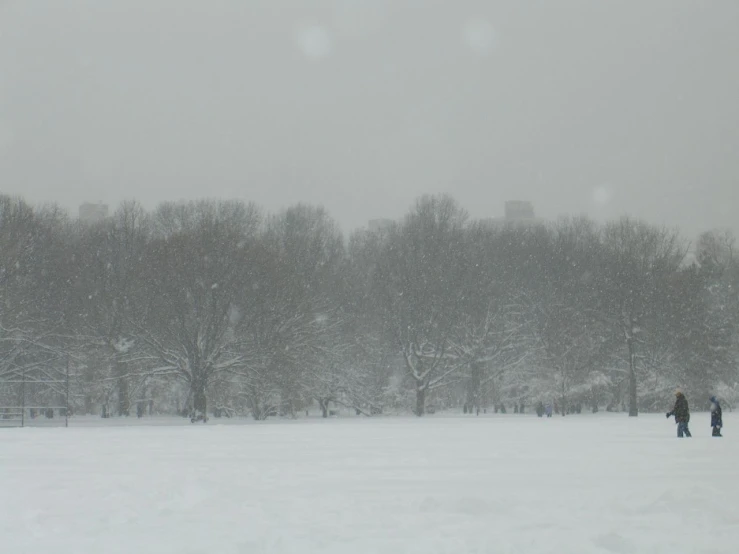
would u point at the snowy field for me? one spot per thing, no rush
(590, 483)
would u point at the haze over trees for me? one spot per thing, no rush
(216, 308)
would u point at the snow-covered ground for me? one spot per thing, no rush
(496, 484)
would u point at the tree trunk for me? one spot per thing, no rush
(420, 400)
(323, 403)
(473, 387)
(199, 401)
(633, 406)
(124, 403)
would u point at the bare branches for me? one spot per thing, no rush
(268, 315)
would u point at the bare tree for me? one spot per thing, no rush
(202, 300)
(371, 355)
(34, 269)
(637, 260)
(703, 309)
(300, 332)
(106, 293)
(200, 274)
(417, 283)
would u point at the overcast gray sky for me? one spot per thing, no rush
(581, 106)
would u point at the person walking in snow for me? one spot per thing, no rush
(717, 421)
(681, 411)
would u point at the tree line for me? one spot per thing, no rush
(216, 308)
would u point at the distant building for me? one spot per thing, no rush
(517, 212)
(93, 213)
(380, 224)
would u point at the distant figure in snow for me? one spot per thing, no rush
(549, 410)
(681, 411)
(540, 409)
(717, 421)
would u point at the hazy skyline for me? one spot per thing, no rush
(362, 106)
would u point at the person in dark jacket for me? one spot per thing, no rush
(717, 421)
(681, 411)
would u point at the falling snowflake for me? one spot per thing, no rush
(314, 41)
(602, 195)
(479, 36)
(234, 315)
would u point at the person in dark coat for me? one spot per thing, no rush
(717, 421)
(681, 411)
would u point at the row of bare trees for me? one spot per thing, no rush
(213, 307)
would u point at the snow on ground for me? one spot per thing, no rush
(600, 483)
